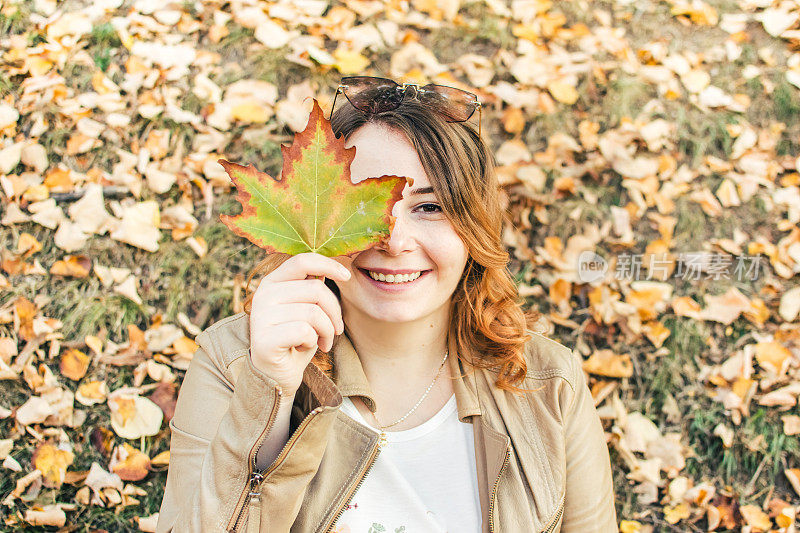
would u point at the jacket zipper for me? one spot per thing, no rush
(494, 489)
(258, 477)
(549, 528)
(254, 476)
(342, 507)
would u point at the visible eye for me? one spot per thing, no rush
(427, 208)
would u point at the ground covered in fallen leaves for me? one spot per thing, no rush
(649, 154)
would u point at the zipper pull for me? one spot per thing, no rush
(254, 504)
(255, 480)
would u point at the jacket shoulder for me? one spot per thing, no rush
(547, 358)
(226, 340)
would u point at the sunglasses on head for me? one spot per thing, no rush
(374, 95)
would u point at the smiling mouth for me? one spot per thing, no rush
(389, 279)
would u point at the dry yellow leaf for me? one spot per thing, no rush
(789, 307)
(607, 363)
(513, 120)
(52, 462)
(656, 332)
(250, 112)
(772, 356)
(27, 245)
(560, 292)
(793, 475)
(74, 364)
(162, 459)
(675, 513)
(350, 61)
(755, 517)
(75, 266)
(79, 143)
(698, 12)
(94, 343)
(37, 65)
(92, 392)
(563, 92)
(791, 424)
(8, 349)
(184, 345)
(49, 515)
(630, 526)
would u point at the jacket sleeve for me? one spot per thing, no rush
(589, 503)
(216, 431)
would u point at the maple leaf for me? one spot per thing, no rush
(314, 207)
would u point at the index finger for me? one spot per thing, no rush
(301, 266)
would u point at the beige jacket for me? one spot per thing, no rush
(542, 460)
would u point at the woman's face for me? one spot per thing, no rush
(422, 240)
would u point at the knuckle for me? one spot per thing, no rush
(314, 315)
(310, 332)
(320, 314)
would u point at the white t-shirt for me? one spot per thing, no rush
(424, 480)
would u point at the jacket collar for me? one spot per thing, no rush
(350, 378)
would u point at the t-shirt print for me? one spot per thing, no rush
(423, 480)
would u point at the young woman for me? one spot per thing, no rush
(407, 391)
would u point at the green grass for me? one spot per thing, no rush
(17, 22)
(103, 44)
(484, 34)
(624, 96)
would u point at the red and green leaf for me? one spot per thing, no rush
(314, 207)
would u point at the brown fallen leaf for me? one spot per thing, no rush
(102, 440)
(165, 396)
(129, 463)
(76, 266)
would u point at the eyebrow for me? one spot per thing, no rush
(421, 190)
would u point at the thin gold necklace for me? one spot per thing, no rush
(383, 441)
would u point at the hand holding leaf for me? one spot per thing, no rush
(313, 208)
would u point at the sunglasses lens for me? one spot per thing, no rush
(454, 103)
(372, 95)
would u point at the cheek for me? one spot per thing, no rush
(449, 253)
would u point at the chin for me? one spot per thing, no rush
(397, 316)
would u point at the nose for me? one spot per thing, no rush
(401, 238)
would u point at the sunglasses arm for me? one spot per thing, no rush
(334, 102)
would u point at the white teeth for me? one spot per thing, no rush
(394, 278)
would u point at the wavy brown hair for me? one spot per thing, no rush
(488, 322)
